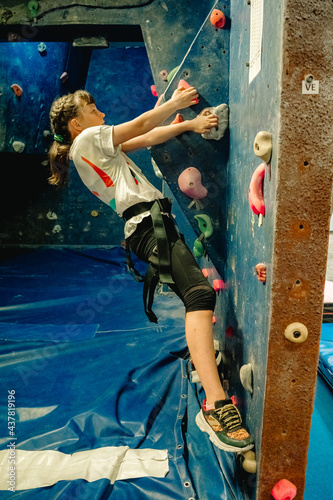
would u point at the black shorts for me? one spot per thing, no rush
(190, 284)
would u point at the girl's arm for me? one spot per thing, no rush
(201, 124)
(147, 121)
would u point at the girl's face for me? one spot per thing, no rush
(90, 117)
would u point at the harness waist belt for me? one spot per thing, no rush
(144, 206)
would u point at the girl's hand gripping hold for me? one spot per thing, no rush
(184, 97)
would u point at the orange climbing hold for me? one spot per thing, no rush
(185, 85)
(17, 90)
(179, 119)
(217, 18)
(284, 490)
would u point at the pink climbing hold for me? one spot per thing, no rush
(189, 183)
(17, 89)
(284, 490)
(261, 272)
(154, 91)
(256, 190)
(218, 285)
(185, 85)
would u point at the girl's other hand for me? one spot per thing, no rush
(203, 123)
(185, 97)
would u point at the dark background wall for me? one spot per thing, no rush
(32, 211)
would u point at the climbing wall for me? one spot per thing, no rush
(265, 64)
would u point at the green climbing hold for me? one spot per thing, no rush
(205, 224)
(198, 249)
(172, 73)
(33, 7)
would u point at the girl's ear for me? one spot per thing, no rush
(74, 125)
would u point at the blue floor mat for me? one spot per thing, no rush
(90, 371)
(326, 353)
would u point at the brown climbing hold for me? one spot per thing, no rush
(17, 89)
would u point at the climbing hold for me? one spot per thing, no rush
(296, 332)
(18, 146)
(56, 229)
(218, 285)
(33, 7)
(154, 91)
(179, 119)
(284, 490)
(261, 272)
(205, 225)
(205, 272)
(198, 249)
(185, 85)
(64, 77)
(46, 133)
(222, 113)
(217, 18)
(5, 15)
(17, 89)
(189, 183)
(157, 171)
(262, 146)
(159, 100)
(249, 462)
(246, 377)
(172, 73)
(42, 48)
(256, 190)
(163, 75)
(94, 213)
(214, 320)
(51, 215)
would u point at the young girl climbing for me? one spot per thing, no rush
(99, 152)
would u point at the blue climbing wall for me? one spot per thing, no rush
(217, 63)
(119, 78)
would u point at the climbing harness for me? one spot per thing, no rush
(159, 268)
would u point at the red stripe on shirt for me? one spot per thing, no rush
(105, 178)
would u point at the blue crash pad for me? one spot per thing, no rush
(326, 353)
(121, 381)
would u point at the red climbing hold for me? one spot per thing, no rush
(154, 91)
(185, 85)
(217, 19)
(284, 490)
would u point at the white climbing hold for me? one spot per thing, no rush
(18, 146)
(222, 112)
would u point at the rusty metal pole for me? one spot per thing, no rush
(303, 208)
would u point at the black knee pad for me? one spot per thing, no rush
(200, 298)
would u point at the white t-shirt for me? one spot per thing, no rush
(110, 174)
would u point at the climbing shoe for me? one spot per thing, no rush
(224, 426)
